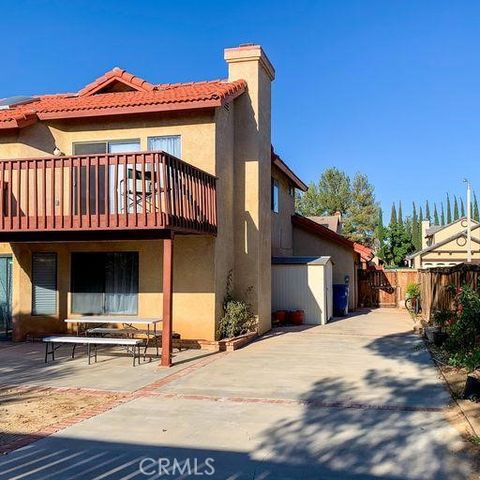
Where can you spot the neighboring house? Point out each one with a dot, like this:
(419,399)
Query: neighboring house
(447,245)
(93,214)
(314,239)
(333,222)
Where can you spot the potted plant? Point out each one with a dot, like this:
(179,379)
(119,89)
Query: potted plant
(441,320)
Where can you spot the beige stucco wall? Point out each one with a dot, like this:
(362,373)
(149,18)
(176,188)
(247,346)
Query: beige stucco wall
(252,172)
(453,229)
(343,258)
(193,300)
(230,142)
(282,231)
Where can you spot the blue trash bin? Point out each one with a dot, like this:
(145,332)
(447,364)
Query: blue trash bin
(340,300)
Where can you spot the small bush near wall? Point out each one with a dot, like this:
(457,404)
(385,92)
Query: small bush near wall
(238,318)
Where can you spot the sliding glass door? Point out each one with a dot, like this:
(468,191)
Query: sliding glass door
(105,283)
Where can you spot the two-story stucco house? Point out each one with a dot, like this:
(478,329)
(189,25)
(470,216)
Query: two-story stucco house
(99,216)
(446,245)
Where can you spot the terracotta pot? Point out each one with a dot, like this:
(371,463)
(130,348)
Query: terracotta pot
(297,317)
(280,316)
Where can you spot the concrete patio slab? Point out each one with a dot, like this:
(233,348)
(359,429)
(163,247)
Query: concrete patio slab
(329,364)
(23,364)
(358,399)
(247,440)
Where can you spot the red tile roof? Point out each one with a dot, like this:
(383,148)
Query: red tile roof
(366,253)
(142,97)
(119,75)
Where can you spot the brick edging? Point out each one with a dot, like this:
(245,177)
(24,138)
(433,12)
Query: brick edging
(122,397)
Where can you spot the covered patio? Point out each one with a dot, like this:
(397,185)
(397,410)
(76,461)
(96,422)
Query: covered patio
(94,199)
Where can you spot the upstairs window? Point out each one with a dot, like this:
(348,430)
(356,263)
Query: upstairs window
(105,146)
(168,143)
(275,196)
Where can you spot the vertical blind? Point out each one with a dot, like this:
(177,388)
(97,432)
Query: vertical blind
(167,143)
(44,279)
(105,283)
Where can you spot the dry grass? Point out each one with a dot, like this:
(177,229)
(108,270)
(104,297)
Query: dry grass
(27,411)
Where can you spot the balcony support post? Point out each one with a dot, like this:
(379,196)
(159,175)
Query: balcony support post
(166,360)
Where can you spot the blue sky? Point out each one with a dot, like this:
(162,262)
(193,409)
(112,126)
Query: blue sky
(390,88)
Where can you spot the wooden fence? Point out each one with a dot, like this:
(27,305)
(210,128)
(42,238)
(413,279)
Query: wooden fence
(435,282)
(384,288)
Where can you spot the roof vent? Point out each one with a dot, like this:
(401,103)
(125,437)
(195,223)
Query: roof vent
(9,102)
(247,44)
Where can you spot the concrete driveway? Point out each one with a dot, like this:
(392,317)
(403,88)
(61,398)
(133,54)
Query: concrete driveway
(356,399)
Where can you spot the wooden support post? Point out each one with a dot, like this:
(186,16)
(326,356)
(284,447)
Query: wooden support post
(167,302)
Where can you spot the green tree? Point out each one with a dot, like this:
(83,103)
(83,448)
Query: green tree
(427,211)
(308,203)
(449,210)
(462,208)
(475,212)
(331,195)
(456,214)
(380,236)
(400,213)
(416,228)
(442,215)
(398,244)
(436,220)
(420,216)
(393,215)
(362,216)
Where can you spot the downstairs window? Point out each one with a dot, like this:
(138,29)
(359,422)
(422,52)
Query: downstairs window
(105,283)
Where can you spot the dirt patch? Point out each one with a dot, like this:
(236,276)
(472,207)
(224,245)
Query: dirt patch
(28,411)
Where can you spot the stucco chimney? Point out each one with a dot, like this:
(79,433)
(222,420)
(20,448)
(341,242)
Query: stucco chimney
(251,56)
(252,173)
(425,227)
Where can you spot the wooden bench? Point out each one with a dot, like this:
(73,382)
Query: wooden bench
(52,343)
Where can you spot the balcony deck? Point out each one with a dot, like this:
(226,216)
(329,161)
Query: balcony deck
(110,196)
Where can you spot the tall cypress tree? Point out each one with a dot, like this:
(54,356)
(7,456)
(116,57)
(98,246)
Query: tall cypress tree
(400,214)
(442,215)
(380,234)
(456,213)
(475,212)
(462,208)
(427,211)
(393,215)
(449,210)
(415,228)
(436,221)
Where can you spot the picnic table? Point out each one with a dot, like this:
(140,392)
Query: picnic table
(130,327)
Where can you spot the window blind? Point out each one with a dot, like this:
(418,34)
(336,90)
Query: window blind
(44,279)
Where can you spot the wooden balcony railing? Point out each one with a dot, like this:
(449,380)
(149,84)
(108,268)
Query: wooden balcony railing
(148,190)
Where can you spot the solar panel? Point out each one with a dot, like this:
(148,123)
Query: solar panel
(15,100)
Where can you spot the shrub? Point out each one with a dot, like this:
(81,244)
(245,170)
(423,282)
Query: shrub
(444,318)
(464,326)
(238,317)
(413,290)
